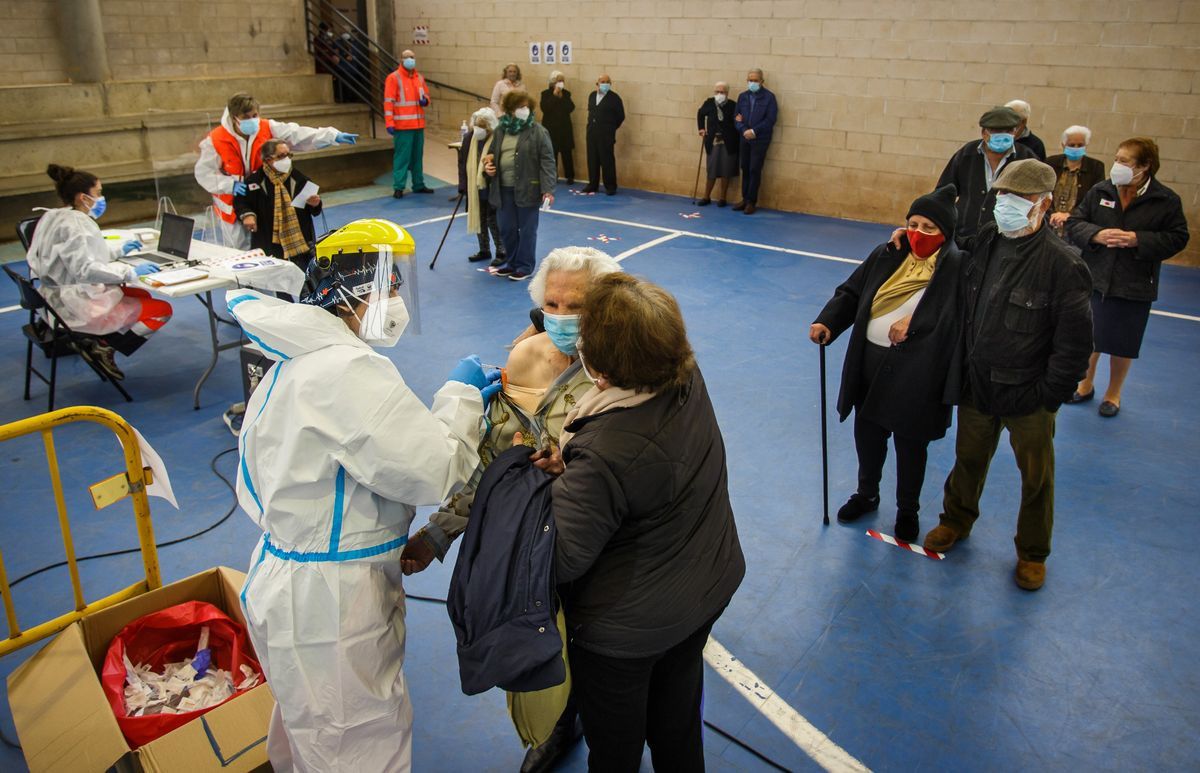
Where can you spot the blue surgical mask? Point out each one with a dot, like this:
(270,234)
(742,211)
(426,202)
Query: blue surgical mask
(98,207)
(248,126)
(754,86)
(1074,154)
(604,87)
(563,330)
(1012,212)
(410,63)
(1000,143)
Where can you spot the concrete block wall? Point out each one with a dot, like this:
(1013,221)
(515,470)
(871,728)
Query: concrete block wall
(874,97)
(160,38)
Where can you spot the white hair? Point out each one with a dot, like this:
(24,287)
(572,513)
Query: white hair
(555,75)
(589,259)
(1020,107)
(487,115)
(757,70)
(1077,129)
(721,83)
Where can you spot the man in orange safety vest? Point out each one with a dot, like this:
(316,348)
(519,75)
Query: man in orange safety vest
(405,97)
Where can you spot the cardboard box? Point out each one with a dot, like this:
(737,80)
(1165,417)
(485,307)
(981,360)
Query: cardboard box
(65,723)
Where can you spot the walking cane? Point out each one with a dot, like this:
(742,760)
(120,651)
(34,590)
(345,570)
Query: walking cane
(447,233)
(699,163)
(824,440)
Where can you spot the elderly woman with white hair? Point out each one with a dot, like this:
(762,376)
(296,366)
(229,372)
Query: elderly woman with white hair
(557,107)
(543,381)
(715,121)
(1077,173)
(1025,135)
(473,184)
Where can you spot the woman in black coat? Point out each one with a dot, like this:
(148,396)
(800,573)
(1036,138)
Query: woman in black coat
(715,120)
(256,207)
(556,117)
(898,376)
(1126,227)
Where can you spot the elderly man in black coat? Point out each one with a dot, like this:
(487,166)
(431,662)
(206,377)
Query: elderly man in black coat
(903,303)
(606,113)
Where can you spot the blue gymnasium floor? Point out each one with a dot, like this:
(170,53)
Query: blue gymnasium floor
(904,662)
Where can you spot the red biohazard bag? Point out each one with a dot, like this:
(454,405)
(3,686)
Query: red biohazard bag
(169,636)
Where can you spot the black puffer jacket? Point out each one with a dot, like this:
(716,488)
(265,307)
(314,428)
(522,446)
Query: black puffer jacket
(1130,272)
(913,393)
(975,199)
(647,547)
(1028,345)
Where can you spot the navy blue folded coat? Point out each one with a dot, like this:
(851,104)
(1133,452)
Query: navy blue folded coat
(501,600)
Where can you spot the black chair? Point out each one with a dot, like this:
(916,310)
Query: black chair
(48,332)
(25,230)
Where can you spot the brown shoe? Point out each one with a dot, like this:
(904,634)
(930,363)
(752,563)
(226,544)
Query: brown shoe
(941,538)
(750,208)
(739,206)
(1030,575)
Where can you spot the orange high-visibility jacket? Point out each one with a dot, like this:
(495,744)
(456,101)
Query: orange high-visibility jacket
(230,151)
(402,92)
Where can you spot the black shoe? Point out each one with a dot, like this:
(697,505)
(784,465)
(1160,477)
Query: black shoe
(739,206)
(570,181)
(503,271)
(722,203)
(613,192)
(397,194)
(1108,409)
(426,189)
(703,202)
(1077,398)
(498,261)
(589,189)
(543,758)
(856,507)
(104,356)
(907,526)
(518,276)
(481,255)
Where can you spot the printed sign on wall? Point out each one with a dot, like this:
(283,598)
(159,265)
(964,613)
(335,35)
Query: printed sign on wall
(549,51)
(535,53)
(420,36)
(565,52)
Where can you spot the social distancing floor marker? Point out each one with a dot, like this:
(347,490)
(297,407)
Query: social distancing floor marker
(889,539)
(692,216)
(603,238)
(820,747)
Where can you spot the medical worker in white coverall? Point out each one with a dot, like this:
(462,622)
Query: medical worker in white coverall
(335,453)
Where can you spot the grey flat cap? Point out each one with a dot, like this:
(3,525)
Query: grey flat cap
(1027,176)
(999,118)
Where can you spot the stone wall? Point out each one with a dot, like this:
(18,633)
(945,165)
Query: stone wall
(874,96)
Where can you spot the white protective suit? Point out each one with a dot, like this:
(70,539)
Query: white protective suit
(335,453)
(79,278)
(214,180)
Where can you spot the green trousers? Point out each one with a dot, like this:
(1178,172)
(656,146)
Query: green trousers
(408,154)
(1032,441)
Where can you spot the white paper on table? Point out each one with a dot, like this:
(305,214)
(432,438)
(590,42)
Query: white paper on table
(307,192)
(161,487)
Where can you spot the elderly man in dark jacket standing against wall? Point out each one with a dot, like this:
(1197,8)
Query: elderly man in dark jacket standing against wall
(606,113)
(1027,338)
(976,166)
(757,111)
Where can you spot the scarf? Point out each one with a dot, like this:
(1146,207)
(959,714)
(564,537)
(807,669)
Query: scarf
(286,228)
(475,182)
(912,276)
(596,401)
(510,124)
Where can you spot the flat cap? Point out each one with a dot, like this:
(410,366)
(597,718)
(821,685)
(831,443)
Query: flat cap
(1000,118)
(1026,177)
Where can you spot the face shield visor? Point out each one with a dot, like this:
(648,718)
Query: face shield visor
(371,262)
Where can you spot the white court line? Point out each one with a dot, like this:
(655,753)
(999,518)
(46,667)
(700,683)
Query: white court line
(798,730)
(648,245)
(9,308)
(673,233)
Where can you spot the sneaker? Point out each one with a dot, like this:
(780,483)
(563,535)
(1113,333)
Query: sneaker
(234,421)
(941,539)
(479,256)
(908,526)
(1030,575)
(104,356)
(426,189)
(518,276)
(397,194)
(856,507)
(503,271)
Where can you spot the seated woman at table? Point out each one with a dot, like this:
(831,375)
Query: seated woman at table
(81,281)
(265,209)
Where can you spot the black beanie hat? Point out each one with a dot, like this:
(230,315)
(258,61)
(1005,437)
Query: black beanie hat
(938,207)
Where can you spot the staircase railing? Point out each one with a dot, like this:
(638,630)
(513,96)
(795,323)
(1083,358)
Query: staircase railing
(358,63)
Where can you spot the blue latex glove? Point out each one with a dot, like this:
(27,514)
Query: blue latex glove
(239,188)
(146,268)
(344,138)
(391,130)
(133,245)
(201,662)
(489,391)
(469,370)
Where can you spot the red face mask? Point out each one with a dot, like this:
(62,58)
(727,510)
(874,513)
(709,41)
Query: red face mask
(923,244)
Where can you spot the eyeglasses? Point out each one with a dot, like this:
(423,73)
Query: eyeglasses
(280,158)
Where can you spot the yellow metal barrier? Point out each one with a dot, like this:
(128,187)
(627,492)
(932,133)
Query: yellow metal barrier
(131,483)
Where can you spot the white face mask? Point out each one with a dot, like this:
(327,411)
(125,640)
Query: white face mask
(521,113)
(720,98)
(1121,174)
(479,133)
(282,165)
(558,86)
(383,323)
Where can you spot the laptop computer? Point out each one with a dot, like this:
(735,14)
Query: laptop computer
(174,242)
